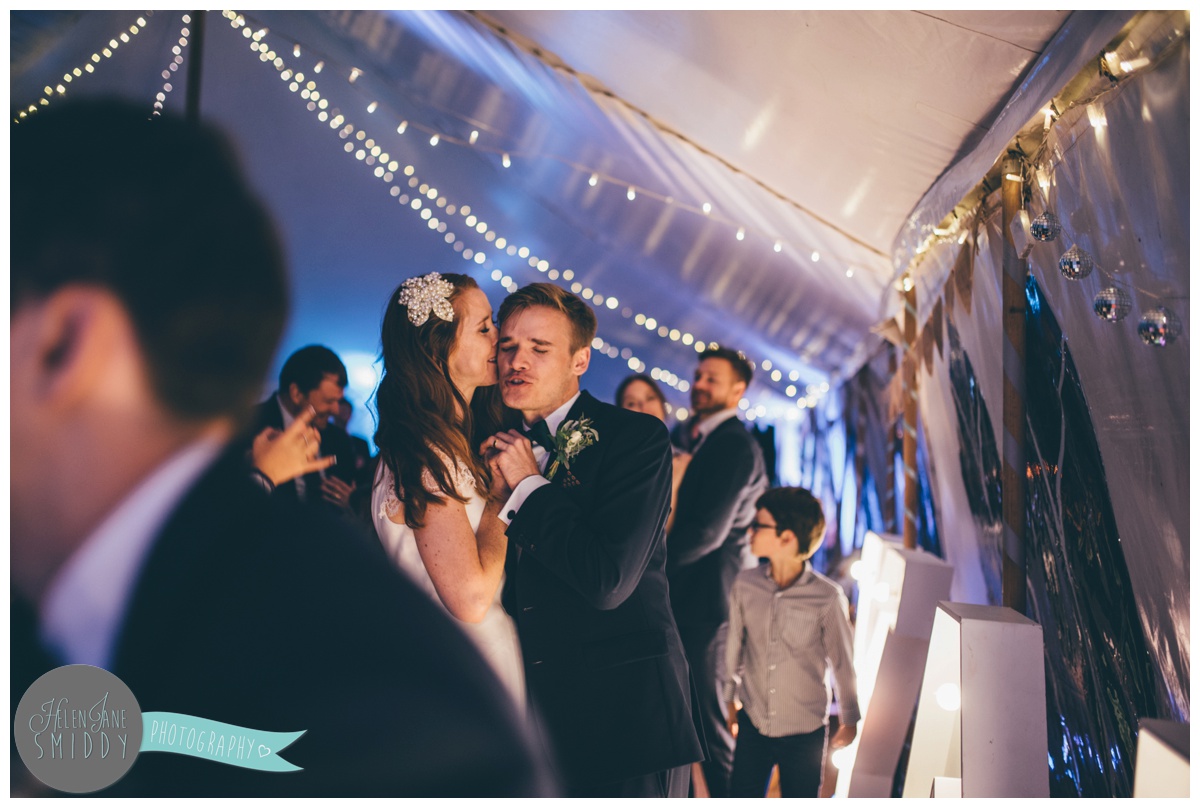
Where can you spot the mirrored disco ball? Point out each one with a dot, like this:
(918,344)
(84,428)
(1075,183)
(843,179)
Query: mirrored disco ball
(1159,326)
(1045,227)
(1112,304)
(1075,263)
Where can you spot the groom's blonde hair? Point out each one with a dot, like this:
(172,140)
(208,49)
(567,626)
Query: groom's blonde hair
(580,314)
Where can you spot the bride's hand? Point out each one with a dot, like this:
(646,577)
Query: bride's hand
(512,453)
(499,491)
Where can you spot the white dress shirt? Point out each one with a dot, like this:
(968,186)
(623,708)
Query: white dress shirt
(84,606)
(534,482)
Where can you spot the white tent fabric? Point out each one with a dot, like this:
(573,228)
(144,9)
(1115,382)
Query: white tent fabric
(848,118)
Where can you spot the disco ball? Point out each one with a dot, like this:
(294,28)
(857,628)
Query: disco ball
(1045,227)
(1159,327)
(1075,263)
(1112,304)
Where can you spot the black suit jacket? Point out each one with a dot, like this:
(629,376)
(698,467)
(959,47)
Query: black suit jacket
(334,441)
(588,589)
(275,617)
(715,506)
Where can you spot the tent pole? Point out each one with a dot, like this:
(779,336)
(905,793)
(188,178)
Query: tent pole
(889,496)
(1012,481)
(195,65)
(909,368)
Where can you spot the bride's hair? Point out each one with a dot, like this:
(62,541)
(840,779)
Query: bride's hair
(415,402)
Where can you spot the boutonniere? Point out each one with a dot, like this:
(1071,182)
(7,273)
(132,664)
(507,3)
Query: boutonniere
(571,438)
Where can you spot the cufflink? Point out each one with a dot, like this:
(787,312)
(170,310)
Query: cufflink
(512,515)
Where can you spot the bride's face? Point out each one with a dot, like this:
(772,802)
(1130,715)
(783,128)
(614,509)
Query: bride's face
(473,358)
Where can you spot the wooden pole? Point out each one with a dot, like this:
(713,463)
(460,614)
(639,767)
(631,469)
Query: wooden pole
(1012,481)
(889,494)
(909,364)
(195,64)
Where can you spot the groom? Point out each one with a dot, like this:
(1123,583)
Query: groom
(587,581)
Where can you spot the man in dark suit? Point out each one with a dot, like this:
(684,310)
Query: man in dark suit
(312,379)
(138,542)
(587,584)
(707,543)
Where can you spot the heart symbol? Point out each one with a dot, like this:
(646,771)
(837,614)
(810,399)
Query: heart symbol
(263,751)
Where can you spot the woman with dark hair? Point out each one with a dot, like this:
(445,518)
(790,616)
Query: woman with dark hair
(434,501)
(641,393)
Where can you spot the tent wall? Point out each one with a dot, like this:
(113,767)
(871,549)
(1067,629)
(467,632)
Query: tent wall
(1107,538)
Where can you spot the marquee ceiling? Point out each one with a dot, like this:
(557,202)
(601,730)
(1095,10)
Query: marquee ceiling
(772,158)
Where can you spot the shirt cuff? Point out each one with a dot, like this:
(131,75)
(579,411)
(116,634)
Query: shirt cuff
(521,493)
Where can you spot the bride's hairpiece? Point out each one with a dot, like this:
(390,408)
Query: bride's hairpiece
(425,294)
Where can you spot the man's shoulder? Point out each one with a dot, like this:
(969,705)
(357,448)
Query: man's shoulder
(731,437)
(627,421)
(266,413)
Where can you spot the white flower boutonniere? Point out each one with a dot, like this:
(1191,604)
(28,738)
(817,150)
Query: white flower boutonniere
(571,439)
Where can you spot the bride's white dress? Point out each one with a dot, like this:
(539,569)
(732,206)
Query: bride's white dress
(496,635)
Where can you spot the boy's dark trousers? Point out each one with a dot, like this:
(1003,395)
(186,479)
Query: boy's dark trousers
(800,758)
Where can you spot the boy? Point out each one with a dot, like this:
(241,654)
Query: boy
(788,624)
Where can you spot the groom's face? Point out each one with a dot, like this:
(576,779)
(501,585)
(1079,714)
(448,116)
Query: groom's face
(539,370)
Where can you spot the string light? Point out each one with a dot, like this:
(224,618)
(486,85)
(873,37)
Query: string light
(592,180)
(60,89)
(161,98)
(372,151)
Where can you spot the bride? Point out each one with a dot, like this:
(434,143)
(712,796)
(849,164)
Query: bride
(434,501)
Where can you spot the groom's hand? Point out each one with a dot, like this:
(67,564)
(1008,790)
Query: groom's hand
(512,453)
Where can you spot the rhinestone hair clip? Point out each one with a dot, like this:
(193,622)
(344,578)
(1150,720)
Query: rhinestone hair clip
(427,294)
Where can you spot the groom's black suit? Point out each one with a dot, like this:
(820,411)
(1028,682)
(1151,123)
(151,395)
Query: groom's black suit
(275,616)
(588,589)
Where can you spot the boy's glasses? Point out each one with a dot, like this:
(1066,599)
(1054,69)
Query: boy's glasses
(761,526)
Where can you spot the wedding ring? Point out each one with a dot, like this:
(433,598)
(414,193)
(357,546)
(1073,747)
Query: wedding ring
(494,446)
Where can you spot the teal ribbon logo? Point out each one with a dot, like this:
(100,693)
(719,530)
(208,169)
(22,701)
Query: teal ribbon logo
(215,740)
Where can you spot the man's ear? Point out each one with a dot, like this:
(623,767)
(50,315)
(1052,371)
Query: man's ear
(294,395)
(581,360)
(739,390)
(70,340)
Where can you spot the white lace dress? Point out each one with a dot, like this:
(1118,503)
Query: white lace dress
(496,635)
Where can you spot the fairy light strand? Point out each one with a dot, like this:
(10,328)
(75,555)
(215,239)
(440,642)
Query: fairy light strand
(422,199)
(177,52)
(106,51)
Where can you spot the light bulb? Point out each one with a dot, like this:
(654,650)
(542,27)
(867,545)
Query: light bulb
(504,161)
(631,194)
(778,246)
(592,180)
(741,233)
(949,697)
